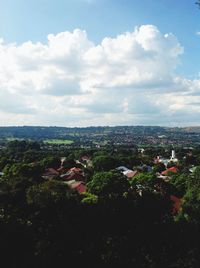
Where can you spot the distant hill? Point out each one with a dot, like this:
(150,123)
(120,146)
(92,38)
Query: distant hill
(105,136)
(40,132)
(191,129)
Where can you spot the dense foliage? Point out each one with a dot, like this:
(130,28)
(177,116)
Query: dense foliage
(118,221)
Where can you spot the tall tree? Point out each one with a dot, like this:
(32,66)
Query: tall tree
(108,184)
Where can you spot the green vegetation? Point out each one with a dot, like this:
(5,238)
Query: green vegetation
(117,221)
(58,142)
(121,136)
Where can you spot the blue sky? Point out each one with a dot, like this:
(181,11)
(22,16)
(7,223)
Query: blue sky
(22,21)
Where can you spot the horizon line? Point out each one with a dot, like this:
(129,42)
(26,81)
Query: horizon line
(100,126)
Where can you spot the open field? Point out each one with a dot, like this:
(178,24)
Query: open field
(57,141)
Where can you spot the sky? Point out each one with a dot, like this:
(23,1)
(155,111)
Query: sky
(99,62)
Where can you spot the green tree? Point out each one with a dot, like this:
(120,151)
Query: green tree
(21,176)
(180,181)
(47,193)
(51,162)
(105,163)
(3,162)
(89,198)
(144,179)
(159,167)
(191,206)
(108,184)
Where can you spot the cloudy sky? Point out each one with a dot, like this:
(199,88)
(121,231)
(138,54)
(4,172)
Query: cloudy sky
(99,62)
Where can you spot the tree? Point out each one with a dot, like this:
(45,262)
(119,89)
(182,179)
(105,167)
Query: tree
(3,162)
(51,162)
(47,193)
(144,179)
(191,199)
(180,181)
(105,163)
(191,206)
(89,199)
(19,176)
(159,167)
(108,184)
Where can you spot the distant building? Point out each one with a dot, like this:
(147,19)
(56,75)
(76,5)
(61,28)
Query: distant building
(165,161)
(62,160)
(130,173)
(74,173)
(173,157)
(159,159)
(122,168)
(142,150)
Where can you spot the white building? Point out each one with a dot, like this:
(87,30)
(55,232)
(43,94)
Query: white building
(173,157)
(165,161)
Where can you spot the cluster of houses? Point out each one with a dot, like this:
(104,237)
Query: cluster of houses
(129,173)
(164,175)
(73,177)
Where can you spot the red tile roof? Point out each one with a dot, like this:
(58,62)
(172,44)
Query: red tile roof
(131,174)
(79,186)
(172,169)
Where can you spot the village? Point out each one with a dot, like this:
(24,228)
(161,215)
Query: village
(75,176)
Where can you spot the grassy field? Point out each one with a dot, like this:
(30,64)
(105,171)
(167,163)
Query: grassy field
(56,141)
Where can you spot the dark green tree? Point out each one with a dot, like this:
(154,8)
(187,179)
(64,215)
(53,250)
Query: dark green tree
(105,163)
(108,184)
(51,162)
(159,167)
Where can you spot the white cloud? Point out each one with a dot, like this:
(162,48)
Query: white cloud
(69,80)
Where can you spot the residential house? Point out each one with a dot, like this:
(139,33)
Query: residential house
(130,173)
(167,171)
(77,185)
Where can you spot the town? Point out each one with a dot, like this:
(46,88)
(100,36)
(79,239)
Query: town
(81,196)
(94,137)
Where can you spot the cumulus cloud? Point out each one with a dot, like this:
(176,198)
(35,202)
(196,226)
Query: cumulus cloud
(69,80)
